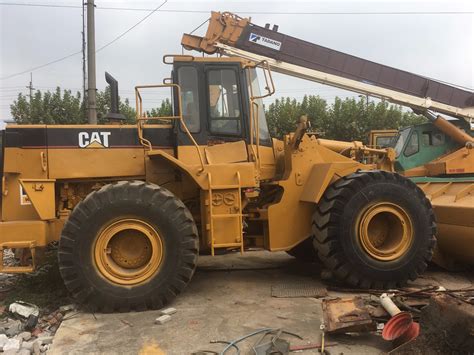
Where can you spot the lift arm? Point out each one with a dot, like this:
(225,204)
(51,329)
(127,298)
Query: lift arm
(232,35)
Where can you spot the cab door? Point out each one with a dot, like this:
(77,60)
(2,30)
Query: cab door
(211,96)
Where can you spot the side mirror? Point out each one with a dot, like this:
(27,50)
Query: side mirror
(114,113)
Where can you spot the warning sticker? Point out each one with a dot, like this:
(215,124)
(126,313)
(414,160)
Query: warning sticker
(265,41)
(24,199)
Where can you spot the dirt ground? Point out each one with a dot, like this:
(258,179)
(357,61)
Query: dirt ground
(229,297)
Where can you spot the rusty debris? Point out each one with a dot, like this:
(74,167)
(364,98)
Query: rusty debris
(426,292)
(311,346)
(347,315)
(428,319)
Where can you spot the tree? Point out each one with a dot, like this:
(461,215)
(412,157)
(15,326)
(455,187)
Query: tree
(49,108)
(164,110)
(347,119)
(64,108)
(282,115)
(103,107)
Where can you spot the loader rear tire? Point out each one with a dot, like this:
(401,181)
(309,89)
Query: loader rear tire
(128,246)
(374,229)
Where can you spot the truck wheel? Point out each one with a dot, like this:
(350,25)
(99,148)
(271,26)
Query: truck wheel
(374,229)
(129,245)
(304,251)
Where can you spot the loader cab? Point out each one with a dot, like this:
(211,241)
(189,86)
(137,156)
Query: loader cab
(216,107)
(215,100)
(420,144)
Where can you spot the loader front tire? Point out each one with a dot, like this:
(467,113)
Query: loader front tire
(128,246)
(374,229)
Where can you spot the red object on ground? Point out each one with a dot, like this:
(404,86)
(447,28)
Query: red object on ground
(36,332)
(401,328)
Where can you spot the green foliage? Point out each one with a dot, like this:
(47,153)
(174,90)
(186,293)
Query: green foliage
(164,110)
(65,108)
(283,114)
(347,119)
(103,107)
(49,108)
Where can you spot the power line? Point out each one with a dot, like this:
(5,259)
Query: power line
(131,28)
(75,53)
(256,12)
(39,5)
(311,13)
(41,66)
(198,27)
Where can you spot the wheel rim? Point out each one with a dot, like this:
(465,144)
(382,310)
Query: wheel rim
(128,252)
(385,231)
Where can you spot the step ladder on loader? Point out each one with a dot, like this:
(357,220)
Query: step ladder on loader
(224,212)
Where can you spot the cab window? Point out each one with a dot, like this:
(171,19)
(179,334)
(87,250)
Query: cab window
(224,102)
(412,144)
(434,139)
(400,140)
(188,81)
(383,141)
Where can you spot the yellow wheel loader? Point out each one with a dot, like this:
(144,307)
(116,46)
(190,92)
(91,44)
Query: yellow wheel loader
(133,205)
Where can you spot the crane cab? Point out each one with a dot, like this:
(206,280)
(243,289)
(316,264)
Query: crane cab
(422,144)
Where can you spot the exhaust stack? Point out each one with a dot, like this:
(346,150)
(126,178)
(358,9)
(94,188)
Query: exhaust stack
(114,113)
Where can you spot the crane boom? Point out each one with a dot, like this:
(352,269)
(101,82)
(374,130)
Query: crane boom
(232,35)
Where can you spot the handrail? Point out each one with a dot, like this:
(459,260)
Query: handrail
(254,119)
(189,57)
(267,74)
(257,130)
(141,118)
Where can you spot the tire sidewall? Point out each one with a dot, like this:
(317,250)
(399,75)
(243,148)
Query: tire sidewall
(367,266)
(86,245)
(131,200)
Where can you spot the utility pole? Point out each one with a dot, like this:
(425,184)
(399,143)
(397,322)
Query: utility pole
(91,82)
(84,97)
(31,91)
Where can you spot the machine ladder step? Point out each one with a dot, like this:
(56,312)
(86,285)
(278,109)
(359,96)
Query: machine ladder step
(236,215)
(230,215)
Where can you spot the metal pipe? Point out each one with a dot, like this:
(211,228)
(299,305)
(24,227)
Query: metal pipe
(449,129)
(388,304)
(114,113)
(338,146)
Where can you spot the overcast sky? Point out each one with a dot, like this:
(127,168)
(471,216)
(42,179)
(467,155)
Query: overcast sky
(435,45)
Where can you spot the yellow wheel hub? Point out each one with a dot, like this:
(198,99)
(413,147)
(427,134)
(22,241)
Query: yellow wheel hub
(128,252)
(385,231)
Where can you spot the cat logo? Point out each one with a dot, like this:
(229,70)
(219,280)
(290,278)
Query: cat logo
(94,139)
